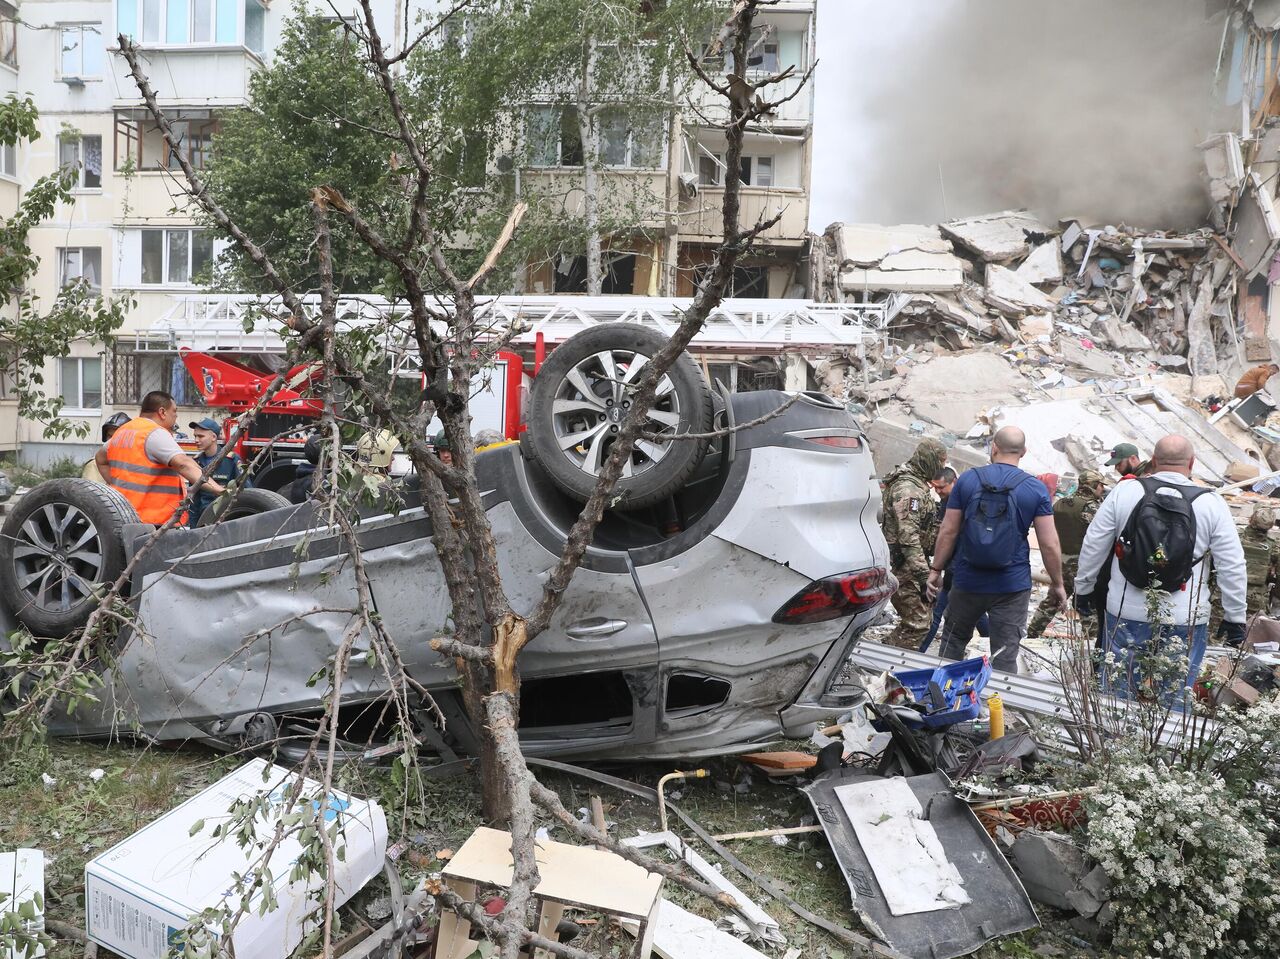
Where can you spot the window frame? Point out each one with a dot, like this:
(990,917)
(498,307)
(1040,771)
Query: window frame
(64,252)
(8,35)
(631,146)
(561,115)
(83,75)
(9,170)
(166,255)
(132,127)
(131,15)
(78,408)
(82,169)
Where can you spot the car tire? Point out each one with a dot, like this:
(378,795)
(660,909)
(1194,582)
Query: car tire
(577,393)
(60,545)
(246,502)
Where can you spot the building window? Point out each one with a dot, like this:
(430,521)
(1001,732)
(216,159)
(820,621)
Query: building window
(628,143)
(255,26)
(174,256)
(553,137)
(8,34)
(764,57)
(181,22)
(8,159)
(748,283)
(83,154)
(619,274)
(466,162)
(138,139)
(710,170)
(80,263)
(81,383)
(134,375)
(81,48)
(756,171)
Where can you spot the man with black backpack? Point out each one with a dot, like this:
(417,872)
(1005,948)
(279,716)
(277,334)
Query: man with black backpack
(1158,533)
(988,514)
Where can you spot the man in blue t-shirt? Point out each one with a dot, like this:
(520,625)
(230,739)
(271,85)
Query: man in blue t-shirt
(999,585)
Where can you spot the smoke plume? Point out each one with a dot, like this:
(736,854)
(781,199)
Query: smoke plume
(1091,108)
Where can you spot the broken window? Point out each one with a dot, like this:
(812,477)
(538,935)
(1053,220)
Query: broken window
(690,693)
(764,58)
(756,171)
(626,142)
(552,137)
(81,51)
(709,170)
(592,699)
(80,263)
(749,282)
(83,154)
(138,139)
(619,274)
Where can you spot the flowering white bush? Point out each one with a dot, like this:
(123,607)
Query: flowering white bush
(1192,875)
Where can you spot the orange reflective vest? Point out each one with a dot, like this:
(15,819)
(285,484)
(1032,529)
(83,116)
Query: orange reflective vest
(155,491)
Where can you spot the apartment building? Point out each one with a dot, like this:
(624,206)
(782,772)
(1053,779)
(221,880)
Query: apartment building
(128,229)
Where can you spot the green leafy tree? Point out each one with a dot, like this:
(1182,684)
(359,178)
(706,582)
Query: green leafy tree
(31,333)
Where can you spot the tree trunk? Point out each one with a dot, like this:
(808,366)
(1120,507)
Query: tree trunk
(589,133)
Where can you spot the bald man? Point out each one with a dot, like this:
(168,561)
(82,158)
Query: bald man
(1148,621)
(989,512)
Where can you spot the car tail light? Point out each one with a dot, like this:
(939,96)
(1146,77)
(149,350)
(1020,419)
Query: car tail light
(838,441)
(837,596)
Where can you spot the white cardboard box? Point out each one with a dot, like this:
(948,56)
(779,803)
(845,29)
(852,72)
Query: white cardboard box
(143,891)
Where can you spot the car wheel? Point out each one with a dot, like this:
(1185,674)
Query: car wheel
(580,396)
(246,502)
(59,547)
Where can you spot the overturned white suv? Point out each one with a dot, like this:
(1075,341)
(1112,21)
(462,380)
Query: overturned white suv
(712,613)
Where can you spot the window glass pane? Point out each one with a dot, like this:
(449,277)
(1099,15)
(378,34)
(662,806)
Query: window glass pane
(91,156)
(91,266)
(744,170)
(153,256)
(708,171)
(9,34)
(93,50)
(70,383)
(201,252)
(202,21)
(764,171)
(255,27)
(127,17)
(570,138)
(791,49)
(646,144)
(68,152)
(179,259)
(228,14)
(540,138)
(71,52)
(69,265)
(9,159)
(151,21)
(176,30)
(91,389)
(613,138)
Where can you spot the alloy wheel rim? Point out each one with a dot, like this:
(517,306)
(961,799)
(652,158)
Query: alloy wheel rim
(591,403)
(57,557)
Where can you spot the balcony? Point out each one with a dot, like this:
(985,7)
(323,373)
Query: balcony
(711,109)
(701,217)
(191,75)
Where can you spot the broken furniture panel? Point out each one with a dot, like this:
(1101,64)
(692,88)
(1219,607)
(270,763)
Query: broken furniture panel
(970,894)
(569,877)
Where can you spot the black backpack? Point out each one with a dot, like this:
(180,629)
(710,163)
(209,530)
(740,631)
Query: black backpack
(991,537)
(1158,543)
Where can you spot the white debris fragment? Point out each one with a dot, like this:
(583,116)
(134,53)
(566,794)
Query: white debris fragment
(49,781)
(97,774)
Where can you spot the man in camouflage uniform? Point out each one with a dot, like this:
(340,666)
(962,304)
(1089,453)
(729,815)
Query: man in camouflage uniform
(910,528)
(1071,517)
(1262,562)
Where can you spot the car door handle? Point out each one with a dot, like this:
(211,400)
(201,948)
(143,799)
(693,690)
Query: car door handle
(597,627)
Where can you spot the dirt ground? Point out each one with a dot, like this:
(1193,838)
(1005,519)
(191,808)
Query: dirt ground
(76,817)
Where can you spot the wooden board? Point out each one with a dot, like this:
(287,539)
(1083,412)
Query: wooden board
(790,761)
(569,874)
(909,863)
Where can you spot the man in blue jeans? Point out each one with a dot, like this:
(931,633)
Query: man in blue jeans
(998,582)
(1181,626)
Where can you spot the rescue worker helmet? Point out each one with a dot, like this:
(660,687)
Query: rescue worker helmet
(374,450)
(1263,518)
(116,421)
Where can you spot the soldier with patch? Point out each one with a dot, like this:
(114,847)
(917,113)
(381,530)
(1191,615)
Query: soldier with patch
(1261,559)
(910,528)
(1071,517)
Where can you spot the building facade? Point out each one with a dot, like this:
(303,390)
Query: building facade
(129,230)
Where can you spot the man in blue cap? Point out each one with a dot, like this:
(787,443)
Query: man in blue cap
(206,433)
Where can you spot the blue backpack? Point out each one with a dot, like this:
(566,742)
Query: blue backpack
(991,536)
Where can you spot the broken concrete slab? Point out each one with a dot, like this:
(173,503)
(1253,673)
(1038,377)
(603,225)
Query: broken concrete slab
(917,260)
(955,312)
(1044,265)
(1050,865)
(952,390)
(997,237)
(1257,227)
(1124,336)
(902,281)
(866,244)
(1090,359)
(1009,292)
